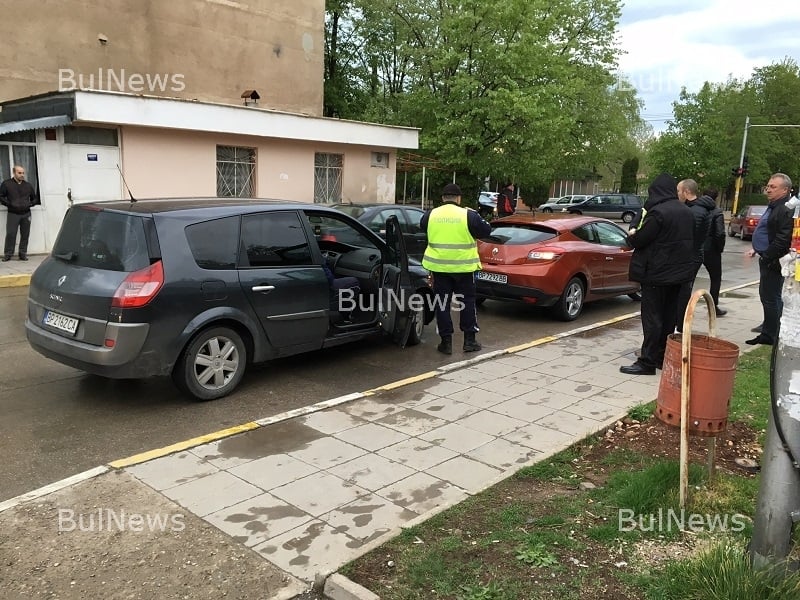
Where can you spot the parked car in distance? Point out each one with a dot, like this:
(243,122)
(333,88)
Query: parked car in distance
(200,288)
(554,261)
(745,221)
(487,204)
(561,204)
(609,206)
(374,216)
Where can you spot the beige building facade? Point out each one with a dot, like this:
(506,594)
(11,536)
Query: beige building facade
(209,50)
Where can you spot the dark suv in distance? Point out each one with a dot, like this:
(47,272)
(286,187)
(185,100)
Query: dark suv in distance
(199,288)
(609,206)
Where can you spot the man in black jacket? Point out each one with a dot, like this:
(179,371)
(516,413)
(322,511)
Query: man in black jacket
(18,196)
(662,262)
(701,212)
(712,251)
(771,240)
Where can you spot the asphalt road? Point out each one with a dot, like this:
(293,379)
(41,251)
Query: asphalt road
(57,421)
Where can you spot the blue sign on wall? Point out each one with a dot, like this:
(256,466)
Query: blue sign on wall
(91,157)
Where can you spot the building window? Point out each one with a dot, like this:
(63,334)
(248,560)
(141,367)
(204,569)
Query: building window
(236,168)
(91,136)
(328,177)
(23,155)
(380,160)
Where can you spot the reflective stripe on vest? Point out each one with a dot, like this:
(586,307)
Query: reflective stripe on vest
(451,247)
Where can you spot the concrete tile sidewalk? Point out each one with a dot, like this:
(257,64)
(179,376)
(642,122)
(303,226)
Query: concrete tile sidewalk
(313,492)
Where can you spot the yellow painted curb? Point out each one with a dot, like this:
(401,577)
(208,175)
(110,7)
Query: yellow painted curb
(7,281)
(203,439)
(527,345)
(403,382)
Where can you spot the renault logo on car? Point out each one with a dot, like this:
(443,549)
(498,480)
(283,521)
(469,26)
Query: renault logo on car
(494,253)
(61,280)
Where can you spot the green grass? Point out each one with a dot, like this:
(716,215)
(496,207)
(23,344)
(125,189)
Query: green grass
(751,398)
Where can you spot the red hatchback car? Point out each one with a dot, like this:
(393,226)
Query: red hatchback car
(744,223)
(557,262)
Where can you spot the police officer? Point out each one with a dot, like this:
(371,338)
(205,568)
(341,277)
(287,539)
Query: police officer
(452,258)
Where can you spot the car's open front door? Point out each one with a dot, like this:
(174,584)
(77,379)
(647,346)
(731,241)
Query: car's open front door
(396,291)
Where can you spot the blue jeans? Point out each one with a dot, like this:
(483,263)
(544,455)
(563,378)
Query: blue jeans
(770,286)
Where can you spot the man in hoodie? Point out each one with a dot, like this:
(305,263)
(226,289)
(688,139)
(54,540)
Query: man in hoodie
(662,262)
(701,212)
(18,196)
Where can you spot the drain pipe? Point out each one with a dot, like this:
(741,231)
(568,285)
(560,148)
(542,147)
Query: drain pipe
(778,506)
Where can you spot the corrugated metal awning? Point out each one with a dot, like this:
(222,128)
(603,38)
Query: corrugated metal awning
(40,123)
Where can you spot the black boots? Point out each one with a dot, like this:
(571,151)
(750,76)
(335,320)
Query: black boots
(470,343)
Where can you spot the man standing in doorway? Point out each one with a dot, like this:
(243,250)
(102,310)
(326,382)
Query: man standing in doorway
(452,258)
(771,240)
(18,196)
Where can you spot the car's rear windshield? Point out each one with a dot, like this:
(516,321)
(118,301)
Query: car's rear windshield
(102,239)
(354,211)
(520,234)
(757,210)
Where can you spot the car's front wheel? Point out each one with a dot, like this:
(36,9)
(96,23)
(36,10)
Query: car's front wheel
(212,365)
(575,212)
(627,217)
(570,303)
(547,210)
(417,327)
(731,232)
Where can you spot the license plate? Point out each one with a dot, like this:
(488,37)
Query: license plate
(62,322)
(496,277)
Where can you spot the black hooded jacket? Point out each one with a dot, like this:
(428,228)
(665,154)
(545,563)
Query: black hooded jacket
(664,243)
(702,208)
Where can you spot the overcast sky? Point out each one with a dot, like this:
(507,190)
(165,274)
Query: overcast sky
(670,44)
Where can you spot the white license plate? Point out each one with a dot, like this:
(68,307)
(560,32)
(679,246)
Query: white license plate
(496,277)
(62,322)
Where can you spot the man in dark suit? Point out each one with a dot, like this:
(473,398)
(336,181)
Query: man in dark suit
(17,195)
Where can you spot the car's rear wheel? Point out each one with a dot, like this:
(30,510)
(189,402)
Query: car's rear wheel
(212,365)
(635,296)
(547,210)
(570,303)
(575,212)
(731,232)
(627,217)
(479,300)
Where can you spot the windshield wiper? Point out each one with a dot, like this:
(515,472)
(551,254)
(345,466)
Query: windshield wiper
(67,256)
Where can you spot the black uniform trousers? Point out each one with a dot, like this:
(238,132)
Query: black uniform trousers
(712,261)
(770,288)
(659,312)
(446,286)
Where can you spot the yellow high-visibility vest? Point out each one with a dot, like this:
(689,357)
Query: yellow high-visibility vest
(451,247)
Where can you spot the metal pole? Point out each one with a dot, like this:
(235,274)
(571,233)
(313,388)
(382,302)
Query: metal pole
(778,505)
(405,183)
(424,195)
(686,356)
(741,164)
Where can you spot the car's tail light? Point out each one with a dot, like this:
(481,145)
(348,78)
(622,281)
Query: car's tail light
(545,254)
(139,287)
(752,222)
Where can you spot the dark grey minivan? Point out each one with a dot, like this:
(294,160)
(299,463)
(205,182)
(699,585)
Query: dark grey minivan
(199,288)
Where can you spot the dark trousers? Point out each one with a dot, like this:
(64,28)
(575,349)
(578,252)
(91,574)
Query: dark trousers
(462,285)
(14,222)
(712,261)
(659,310)
(770,287)
(684,296)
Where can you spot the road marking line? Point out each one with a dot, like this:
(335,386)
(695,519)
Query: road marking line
(171,449)
(52,487)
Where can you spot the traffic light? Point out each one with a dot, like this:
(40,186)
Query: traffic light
(745,166)
(737,172)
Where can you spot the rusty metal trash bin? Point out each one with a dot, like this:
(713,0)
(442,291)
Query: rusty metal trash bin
(712,373)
